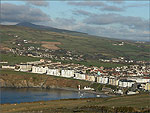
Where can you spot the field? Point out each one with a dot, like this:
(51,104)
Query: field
(4,48)
(50,45)
(121,104)
(84,44)
(14,59)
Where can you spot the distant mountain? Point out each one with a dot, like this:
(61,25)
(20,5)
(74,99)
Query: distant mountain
(41,27)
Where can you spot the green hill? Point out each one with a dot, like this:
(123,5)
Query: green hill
(41,27)
(80,43)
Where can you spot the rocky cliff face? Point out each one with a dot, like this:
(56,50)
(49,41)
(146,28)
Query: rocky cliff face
(41,81)
(17,83)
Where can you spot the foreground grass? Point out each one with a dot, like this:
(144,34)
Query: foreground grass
(133,103)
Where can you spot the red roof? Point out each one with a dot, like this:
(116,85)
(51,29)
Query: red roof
(146,77)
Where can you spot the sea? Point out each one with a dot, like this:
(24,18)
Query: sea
(19,95)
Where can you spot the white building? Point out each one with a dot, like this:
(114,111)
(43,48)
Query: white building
(34,62)
(140,80)
(119,92)
(132,93)
(113,81)
(40,70)
(8,67)
(25,67)
(55,72)
(126,83)
(102,80)
(67,73)
(79,76)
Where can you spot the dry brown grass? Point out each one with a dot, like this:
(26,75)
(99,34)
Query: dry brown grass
(50,45)
(87,105)
(2,47)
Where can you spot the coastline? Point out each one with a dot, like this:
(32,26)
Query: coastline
(47,91)
(28,80)
(85,105)
(68,89)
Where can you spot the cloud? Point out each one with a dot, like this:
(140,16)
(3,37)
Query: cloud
(63,23)
(112,8)
(20,13)
(102,5)
(116,1)
(120,32)
(139,5)
(38,3)
(87,3)
(82,12)
(107,25)
(106,19)
(114,32)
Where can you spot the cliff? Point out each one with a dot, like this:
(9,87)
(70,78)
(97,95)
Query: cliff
(10,78)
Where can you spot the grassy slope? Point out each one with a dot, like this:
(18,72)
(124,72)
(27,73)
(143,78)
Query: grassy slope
(84,44)
(112,104)
(15,59)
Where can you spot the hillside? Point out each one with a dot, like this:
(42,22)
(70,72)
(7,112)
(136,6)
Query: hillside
(41,27)
(91,46)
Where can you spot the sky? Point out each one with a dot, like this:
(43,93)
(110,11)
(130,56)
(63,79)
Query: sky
(122,19)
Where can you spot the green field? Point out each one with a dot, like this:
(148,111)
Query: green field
(15,59)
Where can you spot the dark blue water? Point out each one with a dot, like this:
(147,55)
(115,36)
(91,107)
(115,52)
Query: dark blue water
(14,95)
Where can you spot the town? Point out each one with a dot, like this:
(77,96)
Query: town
(134,77)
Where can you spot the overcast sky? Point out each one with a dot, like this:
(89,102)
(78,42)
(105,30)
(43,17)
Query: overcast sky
(123,19)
